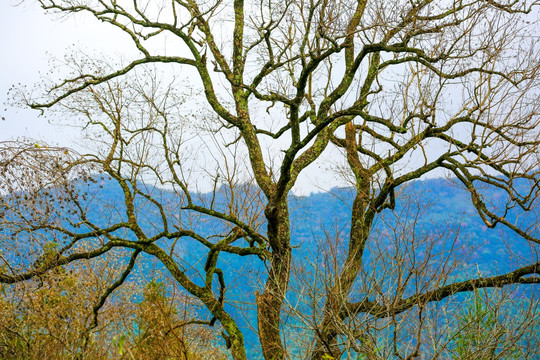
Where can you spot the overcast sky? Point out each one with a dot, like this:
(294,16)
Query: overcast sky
(29,39)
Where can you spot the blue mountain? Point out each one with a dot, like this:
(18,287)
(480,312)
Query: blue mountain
(436,213)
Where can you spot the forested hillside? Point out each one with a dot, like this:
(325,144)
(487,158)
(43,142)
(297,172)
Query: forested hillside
(432,216)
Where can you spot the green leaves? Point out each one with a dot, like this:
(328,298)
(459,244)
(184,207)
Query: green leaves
(119,343)
(480,334)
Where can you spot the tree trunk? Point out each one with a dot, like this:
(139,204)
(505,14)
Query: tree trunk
(269,303)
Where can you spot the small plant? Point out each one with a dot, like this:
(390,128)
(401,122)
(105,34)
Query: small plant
(480,334)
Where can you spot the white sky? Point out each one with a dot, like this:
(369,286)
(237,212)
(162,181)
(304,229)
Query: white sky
(29,39)
(24,38)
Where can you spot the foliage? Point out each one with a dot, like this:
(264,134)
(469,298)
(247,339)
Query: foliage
(162,329)
(46,318)
(49,318)
(481,335)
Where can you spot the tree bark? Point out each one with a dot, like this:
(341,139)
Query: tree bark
(269,303)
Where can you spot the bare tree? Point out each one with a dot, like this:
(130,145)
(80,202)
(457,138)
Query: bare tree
(401,88)
(407,256)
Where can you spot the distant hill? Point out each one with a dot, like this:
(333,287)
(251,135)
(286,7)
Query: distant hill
(438,208)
